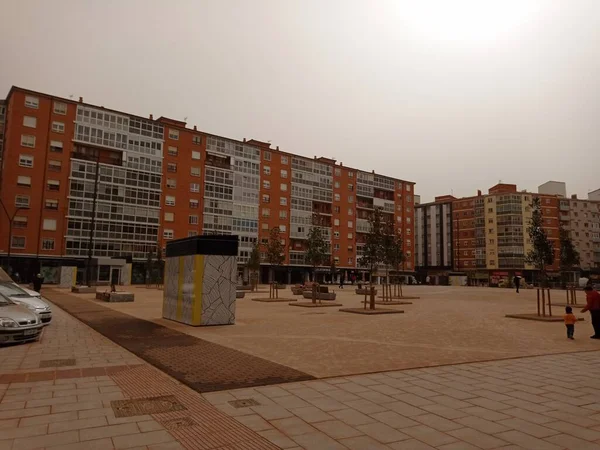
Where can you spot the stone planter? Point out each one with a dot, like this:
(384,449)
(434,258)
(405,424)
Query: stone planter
(364,291)
(329,296)
(297,290)
(115,297)
(83,289)
(239,294)
(243,287)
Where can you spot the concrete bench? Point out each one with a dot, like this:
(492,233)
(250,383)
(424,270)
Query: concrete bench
(115,297)
(363,291)
(320,295)
(83,289)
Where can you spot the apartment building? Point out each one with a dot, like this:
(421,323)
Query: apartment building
(433,239)
(157,179)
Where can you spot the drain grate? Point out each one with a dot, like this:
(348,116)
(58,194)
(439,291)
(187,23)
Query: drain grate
(180,422)
(143,406)
(244,403)
(57,362)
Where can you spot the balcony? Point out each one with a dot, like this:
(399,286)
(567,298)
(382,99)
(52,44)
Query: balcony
(364,205)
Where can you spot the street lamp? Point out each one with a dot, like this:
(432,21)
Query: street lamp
(10,226)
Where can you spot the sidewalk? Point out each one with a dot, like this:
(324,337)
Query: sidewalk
(60,394)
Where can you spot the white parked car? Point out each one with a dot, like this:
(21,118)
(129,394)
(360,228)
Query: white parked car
(27,298)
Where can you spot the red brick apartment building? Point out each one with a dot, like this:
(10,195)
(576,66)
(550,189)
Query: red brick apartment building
(159,180)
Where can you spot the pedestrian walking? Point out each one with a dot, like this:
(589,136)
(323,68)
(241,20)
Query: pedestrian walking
(517,281)
(593,306)
(341,281)
(37,282)
(570,321)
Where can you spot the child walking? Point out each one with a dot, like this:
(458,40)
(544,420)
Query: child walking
(570,321)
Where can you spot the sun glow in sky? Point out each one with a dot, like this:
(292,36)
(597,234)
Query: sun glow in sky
(467,22)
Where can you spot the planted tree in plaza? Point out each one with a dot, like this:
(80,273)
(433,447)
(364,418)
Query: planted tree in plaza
(392,256)
(569,256)
(333,270)
(316,251)
(253,265)
(541,254)
(372,251)
(275,257)
(149,267)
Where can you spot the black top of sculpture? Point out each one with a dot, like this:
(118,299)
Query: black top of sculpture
(211,244)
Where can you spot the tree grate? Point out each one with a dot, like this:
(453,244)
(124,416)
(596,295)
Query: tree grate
(144,406)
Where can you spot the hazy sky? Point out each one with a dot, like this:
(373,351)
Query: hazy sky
(454,95)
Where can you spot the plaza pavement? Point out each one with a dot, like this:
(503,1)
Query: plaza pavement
(543,402)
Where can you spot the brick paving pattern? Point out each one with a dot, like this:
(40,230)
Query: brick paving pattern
(546,402)
(200,364)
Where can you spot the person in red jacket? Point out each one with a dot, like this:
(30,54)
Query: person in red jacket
(593,306)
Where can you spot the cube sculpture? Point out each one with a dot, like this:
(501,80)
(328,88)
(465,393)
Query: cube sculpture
(200,280)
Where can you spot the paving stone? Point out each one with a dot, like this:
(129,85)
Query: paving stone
(79,424)
(437,422)
(477,438)
(327,404)
(254,422)
(98,444)
(27,412)
(572,442)
(485,426)
(574,430)
(429,435)
(143,439)
(292,426)
(527,441)
(538,431)
(410,444)
(108,431)
(278,438)
(317,441)
(337,429)
(47,440)
(446,412)
(363,443)
(405,409)
(394,420)
(352,417)
(365,406)
(291,401)
(382,432)
(311,414)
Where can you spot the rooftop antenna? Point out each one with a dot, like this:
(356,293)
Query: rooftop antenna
(185,119)
(71,96)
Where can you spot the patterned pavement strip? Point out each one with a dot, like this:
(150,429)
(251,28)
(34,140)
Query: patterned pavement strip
(545,402)
(69,408)
(204,366)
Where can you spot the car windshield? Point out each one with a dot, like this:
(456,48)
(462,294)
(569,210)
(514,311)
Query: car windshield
(10,290)
(5,301)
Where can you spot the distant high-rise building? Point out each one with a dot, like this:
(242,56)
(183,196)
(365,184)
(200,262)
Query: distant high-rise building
(553,188)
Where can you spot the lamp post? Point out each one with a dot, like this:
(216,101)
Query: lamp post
(10,226)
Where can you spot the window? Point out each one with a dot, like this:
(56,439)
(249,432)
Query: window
(173,151)
(350,236)
(336,234)
(266,212)
(408,188)
(32,102)
(283,173)
(195,171)
(51,204)
(351,248)
(171,167)
(490,210)
(408,198)
(336,209)
(56,146)
(408,231)
(491,200)
(58,127)
(29,122)
(336,222)
(47,244)
(24,181)
(284,159)
(168,234)
(194,187)
(22,201)
(338,172)
(60,108)
(171,183)
(195,155)
(350,174)
(173,134)
(267,156)
(282,228)
(283,187)
(169,217)
(18,242)
(408,220)
(54,166)
(283,214)
(266,184)
(350,261)
(265,226)
(193,203)
(25,160)
(53,185)
(336,197)
(350,224)
(266,198)
(49,225)
(192,233)
(193,219)
(336,184)
(350,212)
(28,140)
(351,199)
(350,187)
(283,201)
(169,200)
(336,247)
(196,140)
(20,222)
(266,170)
